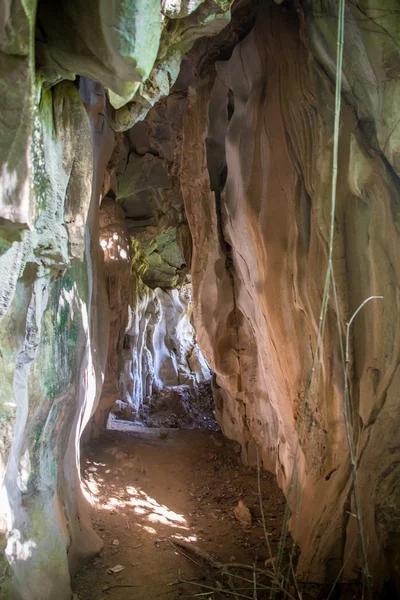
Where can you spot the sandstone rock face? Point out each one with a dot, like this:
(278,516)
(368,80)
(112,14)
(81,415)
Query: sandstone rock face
(17,28)
(55,144)
(259,259)
(160,348)
(228,178)
(47,332)
(152,343)
(115,242)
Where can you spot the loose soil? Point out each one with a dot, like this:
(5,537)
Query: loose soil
(150,487)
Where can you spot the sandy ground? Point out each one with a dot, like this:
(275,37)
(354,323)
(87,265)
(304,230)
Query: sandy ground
(150,487)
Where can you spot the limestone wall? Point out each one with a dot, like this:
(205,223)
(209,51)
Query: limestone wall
(240,153)
(57,136)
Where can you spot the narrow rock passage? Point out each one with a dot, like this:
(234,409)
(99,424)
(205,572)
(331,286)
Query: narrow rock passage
(151,486)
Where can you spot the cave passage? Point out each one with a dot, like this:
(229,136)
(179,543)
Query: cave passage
(199,313)
(151,488)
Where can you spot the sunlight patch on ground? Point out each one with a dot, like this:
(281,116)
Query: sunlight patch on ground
(150,513)
(156,513)
(184,538)
(149,529)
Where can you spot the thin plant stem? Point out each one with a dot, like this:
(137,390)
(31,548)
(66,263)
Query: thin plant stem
(262,507)
(350,441)
(340,572)
(254,585)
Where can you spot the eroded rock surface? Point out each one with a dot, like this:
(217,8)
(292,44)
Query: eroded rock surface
(57,137)
(227,181)
(259,259)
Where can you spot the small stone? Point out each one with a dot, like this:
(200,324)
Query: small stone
(218,443)
(116,569)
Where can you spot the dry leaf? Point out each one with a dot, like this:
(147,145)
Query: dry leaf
(270,561)
(242,514)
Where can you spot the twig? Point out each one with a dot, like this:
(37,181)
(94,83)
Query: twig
(247,568)
(175,545)
(261,506)
(214,589)
(263,587)
(295,580)
(340,572)
(199,595)
(224,568)
(177,582)
(120,585)
(255,576)
(232,587)
(260,585)
(216,564)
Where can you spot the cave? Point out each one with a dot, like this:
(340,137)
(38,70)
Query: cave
(199,299)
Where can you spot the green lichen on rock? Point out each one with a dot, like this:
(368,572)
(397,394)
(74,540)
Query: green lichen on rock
(142,173)
(115,43)
(140,263)
(17,91)
(168,248)
(52,377)
(45,535)
(158,262)
(62,326)
(60,156)
(178,36)
(137,38)
(5,571)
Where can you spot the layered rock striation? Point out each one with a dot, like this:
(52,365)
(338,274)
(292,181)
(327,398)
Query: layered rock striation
(222,176)
(57,137)
(260,132)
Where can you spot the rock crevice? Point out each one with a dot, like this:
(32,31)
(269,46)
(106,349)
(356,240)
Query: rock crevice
(196,176)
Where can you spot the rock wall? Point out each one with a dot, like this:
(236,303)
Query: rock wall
(160,348)
(230,175)
(57,136)
(116,246)
(262,126)
(152,343)
(53,329)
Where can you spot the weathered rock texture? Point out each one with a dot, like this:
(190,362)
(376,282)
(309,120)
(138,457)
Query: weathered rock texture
(229,177)
(57,137)
(115,242)
(53,330)
(259,258)
(160,349)
(152,344)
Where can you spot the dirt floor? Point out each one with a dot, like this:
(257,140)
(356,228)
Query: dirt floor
(151,488)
